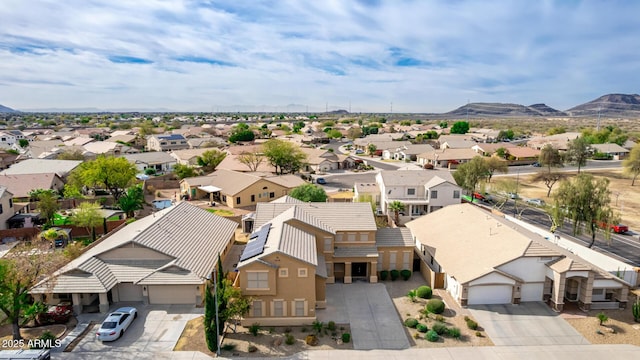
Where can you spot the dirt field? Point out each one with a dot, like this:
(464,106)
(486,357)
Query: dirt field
(59,331)
(625,199)
(619,329)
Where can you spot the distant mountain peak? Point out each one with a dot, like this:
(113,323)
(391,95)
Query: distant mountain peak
(4,109)
(619,105)
(504,110)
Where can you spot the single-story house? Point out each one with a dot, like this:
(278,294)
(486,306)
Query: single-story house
(160,161)
(20,185)
(42,166)
(615,151)
(446,158)
(491,260)
(164,258)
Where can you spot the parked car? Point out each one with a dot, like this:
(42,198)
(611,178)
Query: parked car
(359,152)
(321,181)
(536,202)
(536,164)
(616,228)
(513,196)
(116,324)
(479,196)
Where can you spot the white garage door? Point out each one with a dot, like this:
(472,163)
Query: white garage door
(129,292)
(531,292)
(172,294)
(490,294)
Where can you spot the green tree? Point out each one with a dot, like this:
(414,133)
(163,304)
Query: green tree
(251,160)
(184,171)
(585,201)
(210,159)
(443,124)
(47,203)
(132,200)
(88,216)
(578,152)
(354,133)
(20,270)
(631,164)
(505,134)
(284,156)
(371,149)
(334,134)
(495,164)
(71,155)
(469,174)
(241,132)
(309,193)
(112,173)
(460,127)
(550,158)
(23,143)
(210,323)
(397,207)
(502,152)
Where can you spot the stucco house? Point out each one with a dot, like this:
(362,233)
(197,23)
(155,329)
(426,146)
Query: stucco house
(237,189)
(322,160)
(20,185)
(167,142)
(447,158)
(6,207)
(420,191)
(164,258)
(161,162)
(491,260)
(615,151)
(297,248)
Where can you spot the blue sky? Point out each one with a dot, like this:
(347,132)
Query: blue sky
(422,56)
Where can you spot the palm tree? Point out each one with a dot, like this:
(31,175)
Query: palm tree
(131,201)
(396,206)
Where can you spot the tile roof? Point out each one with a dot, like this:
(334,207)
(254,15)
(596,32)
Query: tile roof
(394,237)
(20,185)
(356,251)
(151,157)
(336,216)
(42,166)
(233,182)
(414,177)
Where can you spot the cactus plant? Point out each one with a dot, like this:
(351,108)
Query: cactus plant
(635,309)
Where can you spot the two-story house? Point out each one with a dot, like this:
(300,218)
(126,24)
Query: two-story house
(6,207)
(297,248)
(420,191)
(166,142)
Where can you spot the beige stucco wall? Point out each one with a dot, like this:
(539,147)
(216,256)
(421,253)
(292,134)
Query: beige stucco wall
(385,256)
(258,189)
(7,211)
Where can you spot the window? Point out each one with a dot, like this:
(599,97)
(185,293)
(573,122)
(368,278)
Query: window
(405,259)
(10,203)
(224,198)
(253,198)
(364,237)
(272,195)
(411,191)
(1,209)
(598,291)
(456,194)
(238,200)
(379,265)
(434,194)
(351,237)
(299,307)
(338,237)
(278,308)
(328,245)
(258,280)
(302,272)
(284,272)
(392,260)
(256,306)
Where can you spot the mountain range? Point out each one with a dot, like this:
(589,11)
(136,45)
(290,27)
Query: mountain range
(610,105)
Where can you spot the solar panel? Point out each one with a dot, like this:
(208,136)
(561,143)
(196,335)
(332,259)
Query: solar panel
(256,243)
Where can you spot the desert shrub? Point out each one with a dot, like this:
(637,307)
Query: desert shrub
(311,340)
(406,274)
(384,274)
(287,330)
(416,335)
(431,336)
(440,318)
(304,329)
(478,334)
(440,328)
(395,274)
(346,337)
(48,338)
(466,318)
(317,326)
(289,339)
(411,322)
(435,306)
(228,347)
(252,348)
(272,330)
(602,317)
(412,295)
(424,292)
(471,324)
(454,332)
(331,325)
(254,329)
(422,328)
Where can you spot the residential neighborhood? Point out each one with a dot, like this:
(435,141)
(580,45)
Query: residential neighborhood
(314,237)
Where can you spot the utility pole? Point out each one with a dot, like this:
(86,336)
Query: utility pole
(391,108)
(598,123)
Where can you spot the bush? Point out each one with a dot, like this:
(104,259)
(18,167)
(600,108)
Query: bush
(411,322)
(384,274)
(228,347)
(478,334)
(48,340)
(471,324)
(331,325)
(454,332)
(602,317)
(289,339)
(440,328)
(311,340)
(346,337)
(435,306)
(422,328)
(431,336)
(317,326)
(252,348)
(424,292)
(406,274)
(254,328)
(440,318)
(395,274)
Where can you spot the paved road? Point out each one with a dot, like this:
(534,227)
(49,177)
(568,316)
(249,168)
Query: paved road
(591,165)
(525,324)
(370,312)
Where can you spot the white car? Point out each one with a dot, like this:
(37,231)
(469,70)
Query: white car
(116,324)
(536,202)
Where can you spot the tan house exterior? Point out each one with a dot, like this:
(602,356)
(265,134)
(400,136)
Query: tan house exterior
(166,142)
(238,189)
(6,207)
(297,248)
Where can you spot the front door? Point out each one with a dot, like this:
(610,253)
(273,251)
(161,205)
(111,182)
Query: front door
(359,269)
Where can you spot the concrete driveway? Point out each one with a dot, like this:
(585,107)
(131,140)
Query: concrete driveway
(368,309)
(531,323)
(157,328)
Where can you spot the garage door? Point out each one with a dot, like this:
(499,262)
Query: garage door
(129,292)
(172,294)
(531,292)
(490,294)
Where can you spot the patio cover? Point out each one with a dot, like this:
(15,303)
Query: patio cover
(209,188)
